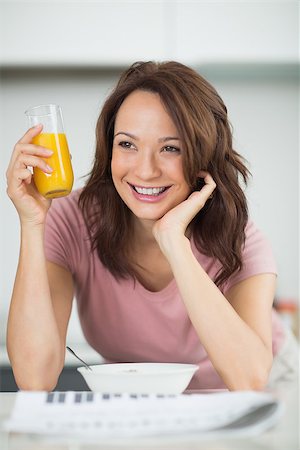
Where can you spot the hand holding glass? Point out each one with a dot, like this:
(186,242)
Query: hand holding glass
(58,183)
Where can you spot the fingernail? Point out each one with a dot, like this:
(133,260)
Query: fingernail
(48,151)
(38,125)
(49,168)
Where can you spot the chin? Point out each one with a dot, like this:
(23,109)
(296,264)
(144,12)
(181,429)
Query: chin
(148,213)
(145,216)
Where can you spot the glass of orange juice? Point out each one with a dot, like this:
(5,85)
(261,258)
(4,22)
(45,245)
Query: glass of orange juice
(58,183)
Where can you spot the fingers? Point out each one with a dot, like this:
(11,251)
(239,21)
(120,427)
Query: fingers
(23,147)
(30,134)
(21,189)
(21,171)
(208,189)
(22,175)
(198,199)
(28,149)
(24,161)
(26,139)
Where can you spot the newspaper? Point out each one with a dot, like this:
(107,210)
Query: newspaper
(93,416)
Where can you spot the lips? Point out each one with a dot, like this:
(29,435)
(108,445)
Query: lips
(149,191)
(149,194)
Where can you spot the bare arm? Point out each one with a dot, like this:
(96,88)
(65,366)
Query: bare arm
(235,333)
(235,330)
(43,292)
(38,317)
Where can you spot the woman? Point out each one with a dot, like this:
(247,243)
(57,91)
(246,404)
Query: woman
(157,247)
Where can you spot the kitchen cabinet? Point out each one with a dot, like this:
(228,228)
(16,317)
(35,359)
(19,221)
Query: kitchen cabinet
(116,33)
(72,33)
(237,32)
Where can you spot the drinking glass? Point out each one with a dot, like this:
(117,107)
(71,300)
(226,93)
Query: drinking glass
(58,183)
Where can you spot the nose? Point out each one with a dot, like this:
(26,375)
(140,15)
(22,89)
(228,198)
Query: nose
(147,166)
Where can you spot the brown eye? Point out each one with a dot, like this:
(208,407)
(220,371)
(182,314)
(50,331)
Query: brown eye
(125,144)
(171,149)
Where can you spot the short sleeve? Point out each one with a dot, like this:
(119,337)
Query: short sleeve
(257,257)
(63,233)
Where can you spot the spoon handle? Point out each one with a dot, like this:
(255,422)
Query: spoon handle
(74,354)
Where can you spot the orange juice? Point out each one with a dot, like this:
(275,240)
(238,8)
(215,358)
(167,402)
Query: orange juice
(58,183)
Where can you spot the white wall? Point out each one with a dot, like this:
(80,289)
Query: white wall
(256,77)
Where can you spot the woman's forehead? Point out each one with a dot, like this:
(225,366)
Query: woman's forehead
(144,111)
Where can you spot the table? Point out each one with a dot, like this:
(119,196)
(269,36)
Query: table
(284,436)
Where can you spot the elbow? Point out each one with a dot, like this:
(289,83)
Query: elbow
(258,382)
(36,380)
(260,375)
(255,381)
(32,374)
(35,383)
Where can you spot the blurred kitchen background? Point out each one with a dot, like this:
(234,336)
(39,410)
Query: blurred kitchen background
(72,52)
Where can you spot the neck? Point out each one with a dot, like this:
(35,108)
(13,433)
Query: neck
(143,232)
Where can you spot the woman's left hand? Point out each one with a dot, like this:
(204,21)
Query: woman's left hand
(175,222)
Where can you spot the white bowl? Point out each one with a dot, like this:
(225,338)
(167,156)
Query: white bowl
(139,378)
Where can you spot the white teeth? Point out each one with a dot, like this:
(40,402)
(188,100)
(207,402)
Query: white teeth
(149,191)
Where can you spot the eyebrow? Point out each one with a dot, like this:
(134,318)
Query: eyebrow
(162,139)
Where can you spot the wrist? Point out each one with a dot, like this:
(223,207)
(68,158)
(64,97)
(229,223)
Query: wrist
(172,246)
(32,240)
(28,227)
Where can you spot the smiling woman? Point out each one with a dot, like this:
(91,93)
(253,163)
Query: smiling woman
(156,104)
(157,247)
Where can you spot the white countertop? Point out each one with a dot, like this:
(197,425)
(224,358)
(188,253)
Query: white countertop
(284,436)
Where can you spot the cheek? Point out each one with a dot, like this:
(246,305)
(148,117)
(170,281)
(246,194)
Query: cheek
(117,167)
(175,171)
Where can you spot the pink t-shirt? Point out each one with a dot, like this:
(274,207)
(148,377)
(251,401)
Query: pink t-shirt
(125,322)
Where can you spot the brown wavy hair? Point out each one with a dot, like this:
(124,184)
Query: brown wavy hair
(200,117)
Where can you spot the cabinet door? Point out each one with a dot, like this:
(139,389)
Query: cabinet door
(237,32)
(87,33)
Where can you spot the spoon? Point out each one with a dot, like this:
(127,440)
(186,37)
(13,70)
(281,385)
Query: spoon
(73,353)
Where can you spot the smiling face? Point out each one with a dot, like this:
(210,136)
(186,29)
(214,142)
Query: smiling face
(146,157)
